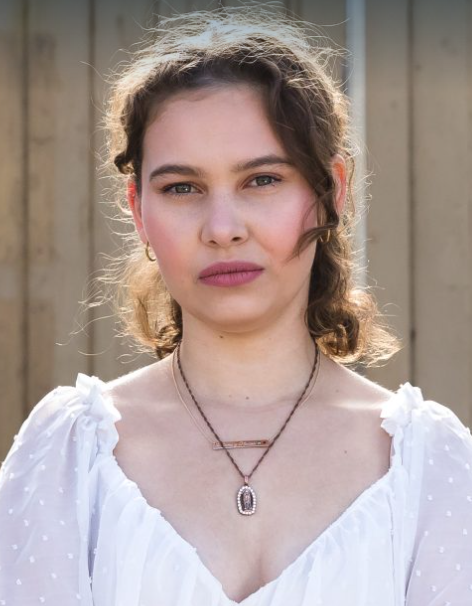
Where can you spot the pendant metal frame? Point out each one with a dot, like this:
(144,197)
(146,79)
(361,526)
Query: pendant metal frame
(243,508)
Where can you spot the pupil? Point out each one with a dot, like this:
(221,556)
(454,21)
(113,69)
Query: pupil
(177,186)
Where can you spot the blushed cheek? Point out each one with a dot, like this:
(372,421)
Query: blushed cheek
(288,228)
(308,214)
(168,245)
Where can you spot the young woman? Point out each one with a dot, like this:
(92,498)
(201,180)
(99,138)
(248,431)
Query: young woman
(248,465)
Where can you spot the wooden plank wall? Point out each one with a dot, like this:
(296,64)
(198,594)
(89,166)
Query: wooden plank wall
(58,187)
(419,134)
(54,232)
(388,100)
(13,215)
(441,166)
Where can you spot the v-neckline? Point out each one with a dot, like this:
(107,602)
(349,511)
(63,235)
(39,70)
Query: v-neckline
(369,491)
(366,493)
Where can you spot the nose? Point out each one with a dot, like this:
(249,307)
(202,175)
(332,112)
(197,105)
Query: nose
(224,223)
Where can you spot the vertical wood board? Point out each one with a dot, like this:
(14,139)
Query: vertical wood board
(12,222)
(118,26)
(388,162)
(58,190)
(441,165)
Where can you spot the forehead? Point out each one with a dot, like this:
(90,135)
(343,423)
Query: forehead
(230,119)
(212,94)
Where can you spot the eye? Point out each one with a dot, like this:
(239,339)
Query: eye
(184,189)
(262,180)
(180,189)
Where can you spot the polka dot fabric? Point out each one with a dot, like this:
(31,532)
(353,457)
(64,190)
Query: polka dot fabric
(74,530)
(440,566)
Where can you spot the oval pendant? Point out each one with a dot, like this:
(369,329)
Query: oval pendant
(246,500)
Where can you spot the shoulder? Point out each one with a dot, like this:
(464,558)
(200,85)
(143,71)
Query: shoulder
(435,448)
(87,396)
(437,506)
(447,441)
(87,399)
(428,423)
(65,414)
(140,390)
(428,430)
(345,389)
(436,422)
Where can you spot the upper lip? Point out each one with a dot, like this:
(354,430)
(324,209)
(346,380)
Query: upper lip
(228,267)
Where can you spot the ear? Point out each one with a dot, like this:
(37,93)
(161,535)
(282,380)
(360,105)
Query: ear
(134,202)
(338,167)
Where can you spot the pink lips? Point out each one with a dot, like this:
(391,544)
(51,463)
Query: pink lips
(232,273)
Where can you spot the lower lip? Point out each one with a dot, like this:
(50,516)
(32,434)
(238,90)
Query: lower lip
(232,279)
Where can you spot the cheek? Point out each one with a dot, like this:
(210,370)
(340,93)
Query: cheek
(168,245)
(284,229)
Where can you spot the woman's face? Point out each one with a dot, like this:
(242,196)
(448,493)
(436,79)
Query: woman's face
(218,187)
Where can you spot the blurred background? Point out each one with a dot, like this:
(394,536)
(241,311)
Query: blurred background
(408,72)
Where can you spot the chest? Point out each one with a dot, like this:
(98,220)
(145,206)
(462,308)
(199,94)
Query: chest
(315,470)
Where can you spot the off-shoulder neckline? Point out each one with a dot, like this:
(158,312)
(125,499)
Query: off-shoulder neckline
(395,412)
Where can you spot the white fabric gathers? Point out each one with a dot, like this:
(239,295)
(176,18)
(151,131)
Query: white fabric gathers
(75,531)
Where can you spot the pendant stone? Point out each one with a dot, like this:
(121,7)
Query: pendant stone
(246,500)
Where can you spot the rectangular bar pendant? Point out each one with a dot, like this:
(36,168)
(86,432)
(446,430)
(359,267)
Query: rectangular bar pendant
(242,444)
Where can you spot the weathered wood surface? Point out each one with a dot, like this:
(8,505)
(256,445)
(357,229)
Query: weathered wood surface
(58,194)
(13,223)
(388,139)
(441,153)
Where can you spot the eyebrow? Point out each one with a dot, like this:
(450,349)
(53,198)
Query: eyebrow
(192,171)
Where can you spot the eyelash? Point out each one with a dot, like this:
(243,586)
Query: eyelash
(167,188)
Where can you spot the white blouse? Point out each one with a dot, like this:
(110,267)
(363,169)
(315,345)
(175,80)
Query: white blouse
(75,531)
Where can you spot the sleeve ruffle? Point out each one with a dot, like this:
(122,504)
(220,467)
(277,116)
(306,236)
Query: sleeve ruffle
(398,411)
(99,409)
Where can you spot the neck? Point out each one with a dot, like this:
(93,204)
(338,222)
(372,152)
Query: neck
(257,371)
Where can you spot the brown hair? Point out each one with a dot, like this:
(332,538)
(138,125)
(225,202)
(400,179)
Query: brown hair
(307,110)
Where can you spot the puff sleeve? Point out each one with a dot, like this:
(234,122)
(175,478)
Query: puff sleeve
(45,501)
(440,569)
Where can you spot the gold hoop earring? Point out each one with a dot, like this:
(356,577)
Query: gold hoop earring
(146,250)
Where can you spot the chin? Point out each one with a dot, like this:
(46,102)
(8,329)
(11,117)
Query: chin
(233,319)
